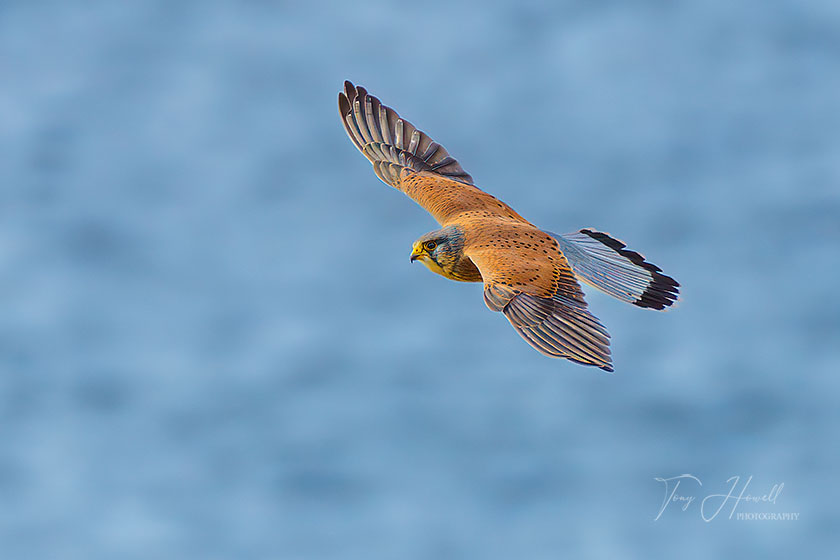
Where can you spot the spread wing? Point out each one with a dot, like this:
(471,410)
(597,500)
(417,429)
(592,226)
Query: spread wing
(531,283)
(411,161)
(385,138)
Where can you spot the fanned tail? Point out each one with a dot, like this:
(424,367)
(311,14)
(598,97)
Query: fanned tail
(605,263)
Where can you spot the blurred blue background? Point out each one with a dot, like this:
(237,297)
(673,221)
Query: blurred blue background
(213,345)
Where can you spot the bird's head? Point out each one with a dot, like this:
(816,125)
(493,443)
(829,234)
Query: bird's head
(439,250)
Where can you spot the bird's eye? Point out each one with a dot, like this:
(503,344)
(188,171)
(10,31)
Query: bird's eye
(430,245)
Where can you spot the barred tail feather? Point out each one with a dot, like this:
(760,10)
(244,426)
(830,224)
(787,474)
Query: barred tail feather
(605,263)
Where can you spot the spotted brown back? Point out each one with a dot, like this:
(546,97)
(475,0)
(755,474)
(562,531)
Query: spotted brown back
(526,276)
(529,280)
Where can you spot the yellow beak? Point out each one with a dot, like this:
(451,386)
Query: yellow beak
(416,252)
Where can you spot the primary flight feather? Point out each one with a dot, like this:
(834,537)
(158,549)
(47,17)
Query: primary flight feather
(530,275)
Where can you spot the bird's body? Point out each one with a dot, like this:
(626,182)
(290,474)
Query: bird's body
(529,274)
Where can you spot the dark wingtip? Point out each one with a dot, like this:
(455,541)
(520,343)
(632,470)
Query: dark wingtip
(367,120)
(349,90)
(343,104)
(606,367)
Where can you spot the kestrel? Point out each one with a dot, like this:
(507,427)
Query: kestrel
(529,274)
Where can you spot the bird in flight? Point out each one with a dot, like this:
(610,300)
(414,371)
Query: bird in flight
(529,274)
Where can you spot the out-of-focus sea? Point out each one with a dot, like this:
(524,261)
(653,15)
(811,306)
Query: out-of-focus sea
(212,343)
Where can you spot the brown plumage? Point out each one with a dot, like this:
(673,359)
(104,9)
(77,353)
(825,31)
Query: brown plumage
(525,270)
